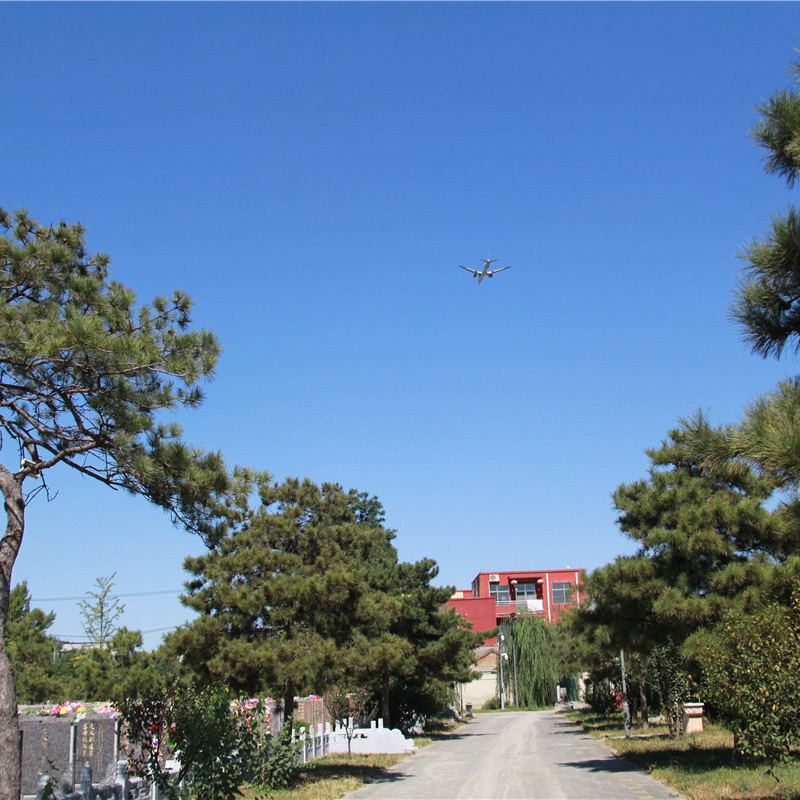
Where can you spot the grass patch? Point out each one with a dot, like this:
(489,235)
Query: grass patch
(700,766)
(331,777)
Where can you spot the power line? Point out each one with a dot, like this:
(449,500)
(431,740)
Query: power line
(83,596)
(72,637)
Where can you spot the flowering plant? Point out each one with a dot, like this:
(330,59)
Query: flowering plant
(72,707)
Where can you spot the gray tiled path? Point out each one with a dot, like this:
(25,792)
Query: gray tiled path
(538,755)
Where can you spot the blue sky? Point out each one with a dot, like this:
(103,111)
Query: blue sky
(313,175)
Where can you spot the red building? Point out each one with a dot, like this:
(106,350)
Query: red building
(495,596)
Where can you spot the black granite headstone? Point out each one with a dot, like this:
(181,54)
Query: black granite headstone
(45,750)
(96,747)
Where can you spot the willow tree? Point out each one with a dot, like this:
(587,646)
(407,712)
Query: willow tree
(535,668)
(85,376)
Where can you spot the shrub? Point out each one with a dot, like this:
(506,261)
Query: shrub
(213,742)
(602,696)
(276,761)
(750,664)
(217,742)
(411,707)
(669,668)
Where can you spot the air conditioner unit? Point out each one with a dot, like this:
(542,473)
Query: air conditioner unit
(494,577)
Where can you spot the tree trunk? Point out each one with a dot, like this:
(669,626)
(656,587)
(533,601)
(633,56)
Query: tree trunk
(288,701)
(643,699)
(385,700)
(10,749)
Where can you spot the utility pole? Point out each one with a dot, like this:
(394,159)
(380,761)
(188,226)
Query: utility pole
(500,639)
(626,710)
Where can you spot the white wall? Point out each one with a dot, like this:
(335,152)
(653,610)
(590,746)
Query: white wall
(479,691)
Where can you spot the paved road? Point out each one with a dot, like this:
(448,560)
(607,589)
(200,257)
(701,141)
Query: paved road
(537,755)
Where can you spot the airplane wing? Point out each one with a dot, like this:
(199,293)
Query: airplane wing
(473,271)
(499,269)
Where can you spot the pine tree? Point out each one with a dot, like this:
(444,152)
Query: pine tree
(705,538)
(86,377)
(767,301)
(767,304)
(284,597)
(441,644)
(30,648)
(420,646)
(305,589)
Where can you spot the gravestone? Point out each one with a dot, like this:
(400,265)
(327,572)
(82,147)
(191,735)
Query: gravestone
(45,750)
(96,746)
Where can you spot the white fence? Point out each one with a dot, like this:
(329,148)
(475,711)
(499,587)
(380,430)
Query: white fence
(321,740)
(313,743)
(375,739)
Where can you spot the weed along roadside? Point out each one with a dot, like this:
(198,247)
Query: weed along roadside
(699,766)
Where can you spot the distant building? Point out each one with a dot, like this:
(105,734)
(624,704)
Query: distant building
(68,647)
(496,598)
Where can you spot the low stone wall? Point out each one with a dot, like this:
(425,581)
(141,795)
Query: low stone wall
(375,739)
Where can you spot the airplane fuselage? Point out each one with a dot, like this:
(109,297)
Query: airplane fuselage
(486,272)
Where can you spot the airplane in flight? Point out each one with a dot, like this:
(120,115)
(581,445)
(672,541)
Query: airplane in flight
(485,272)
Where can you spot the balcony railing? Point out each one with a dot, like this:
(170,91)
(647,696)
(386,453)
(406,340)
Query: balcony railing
(522,606)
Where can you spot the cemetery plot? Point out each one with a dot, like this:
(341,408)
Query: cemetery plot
(62,746)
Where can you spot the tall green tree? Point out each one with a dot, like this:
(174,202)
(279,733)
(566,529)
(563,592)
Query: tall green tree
(439,643)
(767,301)
(707,544)
(535,666)
(85,376)
(750,651)
(284,598)
(704,536)
(412,653)
(418,647)
(307,589)
(100,611)
(30,648)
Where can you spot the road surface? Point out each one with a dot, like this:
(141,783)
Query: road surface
(533,755)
